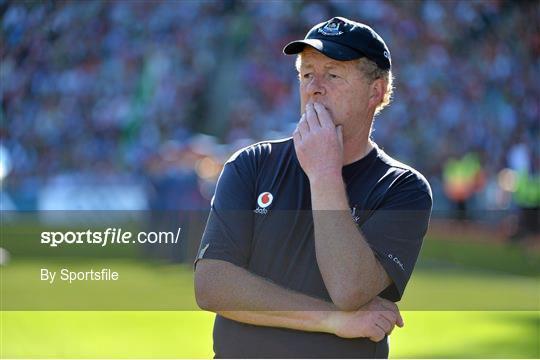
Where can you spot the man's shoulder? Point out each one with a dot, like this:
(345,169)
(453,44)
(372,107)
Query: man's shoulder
(407,174)
(262,150)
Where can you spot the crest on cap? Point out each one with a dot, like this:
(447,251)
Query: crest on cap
(331,28)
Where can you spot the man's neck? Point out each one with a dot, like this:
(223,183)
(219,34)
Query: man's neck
(354,150)
(356,142)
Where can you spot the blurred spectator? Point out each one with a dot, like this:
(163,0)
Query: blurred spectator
(462,179)
(526,179)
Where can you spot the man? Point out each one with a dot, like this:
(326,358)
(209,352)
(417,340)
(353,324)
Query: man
(310,240)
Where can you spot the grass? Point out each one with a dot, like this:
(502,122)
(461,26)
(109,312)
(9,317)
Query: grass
(187,334)
(107,334)
(464,300)
(141,286)
(165,286)
(468,334)
(466,252)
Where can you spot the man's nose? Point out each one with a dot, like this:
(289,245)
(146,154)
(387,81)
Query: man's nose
(316,87)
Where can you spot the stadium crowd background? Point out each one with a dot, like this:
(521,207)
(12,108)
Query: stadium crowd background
(137,104)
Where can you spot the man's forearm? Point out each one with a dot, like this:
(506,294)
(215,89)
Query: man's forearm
(311,321)
(350,270)
(237,294)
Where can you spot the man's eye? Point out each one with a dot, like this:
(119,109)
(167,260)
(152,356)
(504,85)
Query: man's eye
(333,76)
(307,75)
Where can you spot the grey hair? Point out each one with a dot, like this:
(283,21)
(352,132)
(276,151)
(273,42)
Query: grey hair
(372,72)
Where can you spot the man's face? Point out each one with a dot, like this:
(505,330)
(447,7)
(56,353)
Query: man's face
(338,85)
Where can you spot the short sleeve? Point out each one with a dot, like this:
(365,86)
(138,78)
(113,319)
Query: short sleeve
(396,231)
(228,231)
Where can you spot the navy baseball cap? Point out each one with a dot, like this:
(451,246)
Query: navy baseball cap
(343,39)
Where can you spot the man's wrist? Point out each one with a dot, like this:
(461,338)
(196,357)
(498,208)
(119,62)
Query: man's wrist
(327,321)
(337,323)
(328,178)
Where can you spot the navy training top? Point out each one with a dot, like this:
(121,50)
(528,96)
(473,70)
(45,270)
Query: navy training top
(261,220)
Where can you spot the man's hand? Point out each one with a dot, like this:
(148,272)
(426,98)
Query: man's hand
(374,320)
(318,143)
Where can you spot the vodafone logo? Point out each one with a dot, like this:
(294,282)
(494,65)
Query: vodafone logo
(265,199)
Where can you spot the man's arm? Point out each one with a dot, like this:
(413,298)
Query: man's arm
(350,270)
(237,294)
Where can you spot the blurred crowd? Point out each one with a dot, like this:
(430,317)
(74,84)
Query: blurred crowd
(101,91)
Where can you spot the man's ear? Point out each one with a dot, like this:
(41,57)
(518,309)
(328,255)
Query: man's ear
(376,92)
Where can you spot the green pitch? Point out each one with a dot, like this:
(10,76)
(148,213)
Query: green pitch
(450,276)
(186,334)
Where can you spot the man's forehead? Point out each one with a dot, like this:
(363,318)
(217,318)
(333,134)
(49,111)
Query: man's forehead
(310,57)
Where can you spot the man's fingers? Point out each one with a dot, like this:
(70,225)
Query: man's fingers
(377,333)
(385,324)
(324,116)
(399,321)
(311,117)
(394,308)
(389,331)
(303,126)
(387,304)
(389,315)
(296,135)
